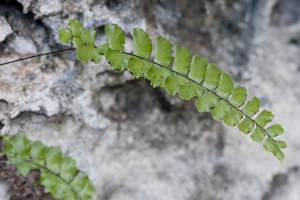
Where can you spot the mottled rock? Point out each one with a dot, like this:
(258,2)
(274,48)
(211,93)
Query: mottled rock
(5,29)
(22,45)
(41,7)
(136,142)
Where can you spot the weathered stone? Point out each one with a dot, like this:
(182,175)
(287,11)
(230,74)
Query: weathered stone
(136,142)
(41,7)
(5,29)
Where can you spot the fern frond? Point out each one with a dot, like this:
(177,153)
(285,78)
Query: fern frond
(191,77)
(57,172)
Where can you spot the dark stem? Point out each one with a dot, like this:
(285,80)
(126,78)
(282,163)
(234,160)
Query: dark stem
(43,54)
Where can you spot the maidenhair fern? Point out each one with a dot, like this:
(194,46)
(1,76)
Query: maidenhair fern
(190,76)
(58,173)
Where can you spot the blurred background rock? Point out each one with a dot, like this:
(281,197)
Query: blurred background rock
(139,143)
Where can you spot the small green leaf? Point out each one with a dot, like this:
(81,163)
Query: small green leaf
(139,67)
(88,36)
(252,106)
(60,189)
(8,148)
(212,77)
(190,90)
(239,96)
(102,48)
(198,69)
(269,144)
(117,60)
(47,179)
(65,34)
(233,117)
(22,146)
(86,53)
(246,126)
(142,43)
(225,86)
(69,196)
(25,167)
(182,60)
(77,42)
(163,52)
(80,180)
(53,159)
(264,117)
(258,134)
(115,37)
(76,27)
(87,192)
(207,101)
(68,168)
(37,150)
(275,130)
(157,76)
(280,156)
(173,83)
(221,110)
(281,144)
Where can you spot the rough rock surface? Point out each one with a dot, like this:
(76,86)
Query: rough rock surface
(5,29)
(136,142)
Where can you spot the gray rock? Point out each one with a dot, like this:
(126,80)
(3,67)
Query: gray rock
(5,29)
(136,142)
(22,45)
(41,7)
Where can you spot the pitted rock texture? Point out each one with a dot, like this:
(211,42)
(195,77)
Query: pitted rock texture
(136,142)
(5,29)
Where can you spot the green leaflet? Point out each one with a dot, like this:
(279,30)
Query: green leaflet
(172,83)
(221,110)
(21,145)
(252,106)
(77,42)
(65,35)
(225,86)
(37,150)
(275,130)
(238,97)
(198,69)
(87,53)
(139,67)
(117,60)
(233,117)
(212,77)
(88,37)
(115,37)
(263,118)
(58,173)
(258,134)
(102,48)
(182,60)
(163,52)
(158,75)
(207,101)
(142,43)
(189,78)
(76,27)
(246,126)
(190,90)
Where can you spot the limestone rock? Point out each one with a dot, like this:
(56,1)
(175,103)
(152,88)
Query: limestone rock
(5,29)
(136,142)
